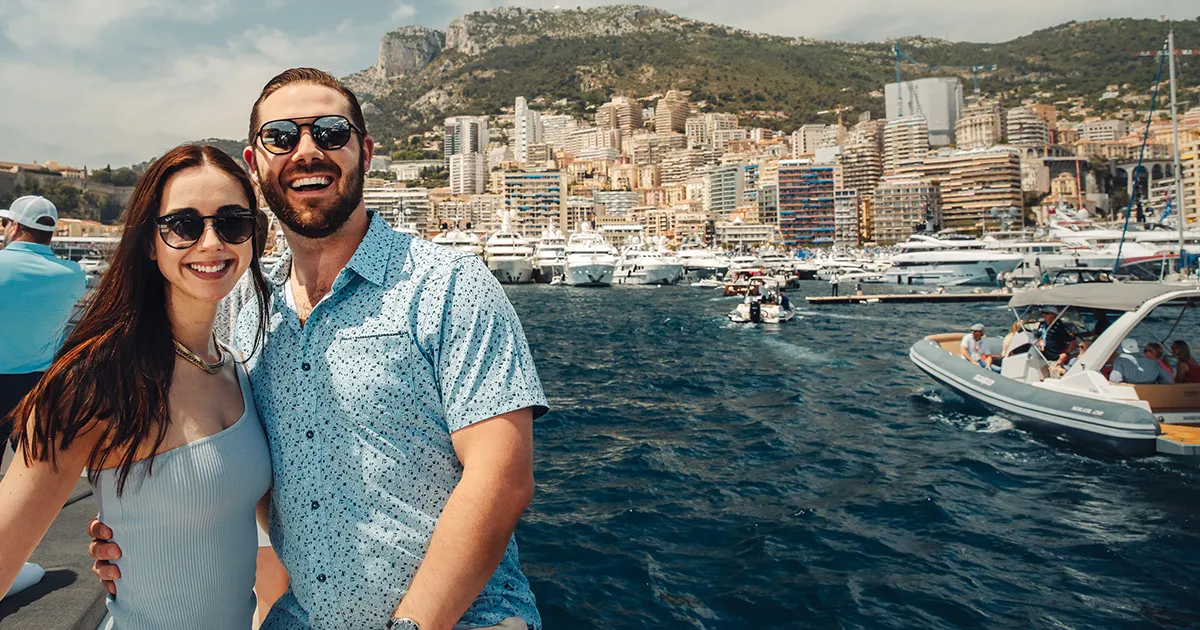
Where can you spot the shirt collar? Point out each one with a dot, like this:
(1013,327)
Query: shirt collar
(26,246)
(370,260)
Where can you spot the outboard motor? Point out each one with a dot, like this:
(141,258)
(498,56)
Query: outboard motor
(756,312)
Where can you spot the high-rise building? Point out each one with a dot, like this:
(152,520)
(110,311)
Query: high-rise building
(621,113)
(649,148)
(555,128)
(905,143)
(808,138)
(806,208)
(902,205)
(527,130)
(1024,128)
(468,174)
(862,166)
(972,183)
(592,138)
(724,186)
(1102,130)
(540,199)
(981,126)
(671,113)
(701,129)
(464,134)
(401,207)
(579,209)
(936,99)
(768,202)
(616,203)
(845,218)
(678,165)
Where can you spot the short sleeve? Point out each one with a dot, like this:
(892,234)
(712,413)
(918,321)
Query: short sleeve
(484,365)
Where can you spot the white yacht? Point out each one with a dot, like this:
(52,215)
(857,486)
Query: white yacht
(948,262)
(641,265)
(508,256)
(774,261)
(701,263)
(549,257)
(590,260)
(461,240)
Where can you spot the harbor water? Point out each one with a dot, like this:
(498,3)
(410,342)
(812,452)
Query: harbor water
(696,473)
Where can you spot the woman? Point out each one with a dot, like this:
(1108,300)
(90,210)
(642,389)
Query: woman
(1017,327)
(160,414)
(1159,353)
(1186,368)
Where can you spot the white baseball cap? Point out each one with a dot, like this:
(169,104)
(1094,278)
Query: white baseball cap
(31,212)
(1129,346)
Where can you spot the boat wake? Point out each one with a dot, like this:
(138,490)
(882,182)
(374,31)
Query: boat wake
(794,352)
(973,423)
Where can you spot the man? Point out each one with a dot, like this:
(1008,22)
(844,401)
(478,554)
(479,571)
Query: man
(834,281)
(972,347)
(1138,368)
(396,389)
(39,291)
(1056,341)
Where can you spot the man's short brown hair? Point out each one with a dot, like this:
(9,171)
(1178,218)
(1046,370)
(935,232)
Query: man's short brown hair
(311,76)
(30,235)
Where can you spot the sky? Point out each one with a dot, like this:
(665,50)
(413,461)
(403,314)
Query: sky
(99,82)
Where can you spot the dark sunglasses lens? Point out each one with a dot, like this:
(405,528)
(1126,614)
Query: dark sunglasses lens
(331,132)
(234,229)
(183,231)
(280,136)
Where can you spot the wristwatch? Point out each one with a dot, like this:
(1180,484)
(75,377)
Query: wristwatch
(401,623)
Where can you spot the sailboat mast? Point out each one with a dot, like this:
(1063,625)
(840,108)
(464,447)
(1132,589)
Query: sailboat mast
(1180,215)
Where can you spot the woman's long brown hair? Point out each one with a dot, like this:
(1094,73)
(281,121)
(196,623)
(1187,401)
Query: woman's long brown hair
(113,373)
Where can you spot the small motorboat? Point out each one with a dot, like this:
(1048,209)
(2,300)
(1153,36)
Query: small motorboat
(709,283)
(1079,399)
(762,304)
(760,313)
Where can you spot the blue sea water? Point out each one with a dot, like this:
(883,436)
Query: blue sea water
(700,474)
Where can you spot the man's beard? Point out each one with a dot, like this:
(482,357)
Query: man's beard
(319,219)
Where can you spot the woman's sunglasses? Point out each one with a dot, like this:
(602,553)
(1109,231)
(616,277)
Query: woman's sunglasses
(328,132)
(183,229)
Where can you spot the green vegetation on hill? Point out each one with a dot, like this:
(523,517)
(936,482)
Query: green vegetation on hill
(735,71)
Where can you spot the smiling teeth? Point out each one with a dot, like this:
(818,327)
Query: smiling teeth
(210,268)
(311,181)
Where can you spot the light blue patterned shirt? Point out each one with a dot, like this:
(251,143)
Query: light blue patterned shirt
(413,342)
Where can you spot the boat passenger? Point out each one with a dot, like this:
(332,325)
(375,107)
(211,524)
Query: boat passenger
(1017,327)
(1186,368)
(1137,369)
(786,305)
(1056,341)
(972,347)
(1156,351)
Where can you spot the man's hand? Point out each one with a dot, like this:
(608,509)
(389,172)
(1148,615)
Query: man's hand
(102,551)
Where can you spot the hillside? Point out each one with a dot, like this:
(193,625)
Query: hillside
(577,59)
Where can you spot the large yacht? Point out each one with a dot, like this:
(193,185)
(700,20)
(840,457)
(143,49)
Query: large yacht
(459,239)
(508,256)
(641,265)
(948,262)
(549,257)
(590,259)
(700,263)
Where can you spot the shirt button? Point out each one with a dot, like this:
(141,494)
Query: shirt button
(315,505)
(308,434)
(321,578)
(305,366)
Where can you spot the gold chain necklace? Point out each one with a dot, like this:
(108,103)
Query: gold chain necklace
(191,357)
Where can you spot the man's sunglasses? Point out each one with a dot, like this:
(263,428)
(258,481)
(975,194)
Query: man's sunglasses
(328,132)
(183,229)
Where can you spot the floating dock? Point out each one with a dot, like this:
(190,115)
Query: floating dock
(910,298)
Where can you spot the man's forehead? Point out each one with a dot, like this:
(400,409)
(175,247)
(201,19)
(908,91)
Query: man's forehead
(302,100)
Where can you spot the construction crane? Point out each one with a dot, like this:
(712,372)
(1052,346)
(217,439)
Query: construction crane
(841,129)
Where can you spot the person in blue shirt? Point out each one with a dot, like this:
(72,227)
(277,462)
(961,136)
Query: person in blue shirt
(397,392)
(40,290)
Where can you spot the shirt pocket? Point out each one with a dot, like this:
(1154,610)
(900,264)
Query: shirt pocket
(372,366)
